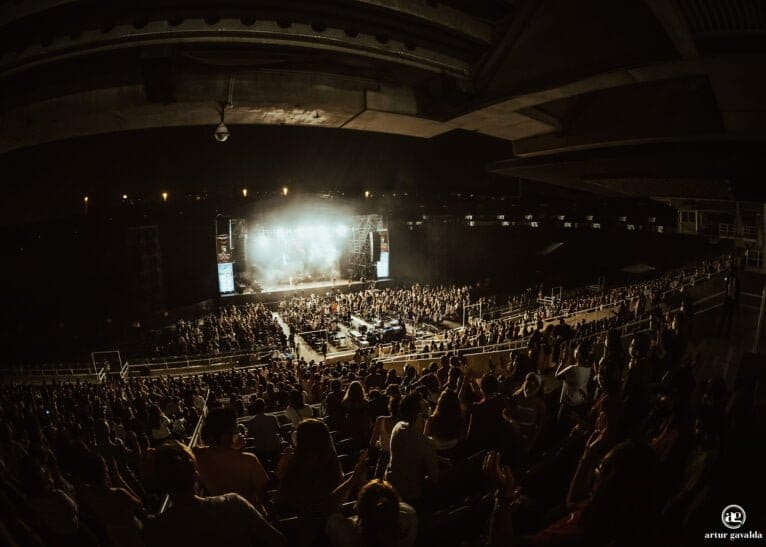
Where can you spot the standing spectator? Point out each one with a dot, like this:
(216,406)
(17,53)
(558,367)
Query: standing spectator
(380,442)
(333,405)
(446,427)
(264,430)
(308,476)
(356,420)
(413,456)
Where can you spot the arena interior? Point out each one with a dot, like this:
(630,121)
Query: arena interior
(385,273)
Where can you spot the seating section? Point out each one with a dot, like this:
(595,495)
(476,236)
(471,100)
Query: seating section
(590,433)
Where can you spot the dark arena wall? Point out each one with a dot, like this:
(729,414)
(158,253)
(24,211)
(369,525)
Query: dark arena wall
(77,298)
(515,257)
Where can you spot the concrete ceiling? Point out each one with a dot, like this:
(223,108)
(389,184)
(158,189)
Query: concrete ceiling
(554,78)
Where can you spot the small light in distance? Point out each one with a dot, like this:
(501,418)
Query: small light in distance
(85,200)
(164,196)
(284,190)
(367,194)
(124,196)
(244,192)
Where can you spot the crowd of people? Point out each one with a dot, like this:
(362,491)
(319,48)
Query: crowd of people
(252,326)
(641,295)
(231,328)
(414,305)
(578,438)
(574,441)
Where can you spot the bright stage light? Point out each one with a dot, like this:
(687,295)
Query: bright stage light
(281,232)
(263,241)
(341,230)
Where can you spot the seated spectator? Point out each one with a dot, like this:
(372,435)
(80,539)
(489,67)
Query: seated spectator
(223,468)
(193,521)
(116,509)
(413,456)
(55,510)
(264,431)
(159,423)
(606,516)
(298,410)
(382,520)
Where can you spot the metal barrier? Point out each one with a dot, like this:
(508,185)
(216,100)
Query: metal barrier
(172,364)
(191,444)
(730,230)
(81,373)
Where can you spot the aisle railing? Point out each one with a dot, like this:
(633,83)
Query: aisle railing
(196,433)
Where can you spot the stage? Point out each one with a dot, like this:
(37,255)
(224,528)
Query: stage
(275,293)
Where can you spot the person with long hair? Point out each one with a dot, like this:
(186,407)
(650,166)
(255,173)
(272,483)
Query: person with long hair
(159,424)
(356,420)
(310,472)
(446,426)
(381,520)
(527,414)
(413,457)
(380,442)
(297,410)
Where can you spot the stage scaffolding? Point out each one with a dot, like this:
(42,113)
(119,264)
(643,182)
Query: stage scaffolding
(360,260)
